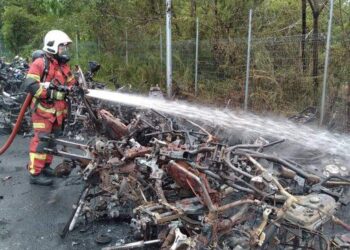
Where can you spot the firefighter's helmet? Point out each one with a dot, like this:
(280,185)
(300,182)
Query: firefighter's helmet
(53,39)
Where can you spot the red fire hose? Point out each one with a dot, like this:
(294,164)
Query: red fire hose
(17,125)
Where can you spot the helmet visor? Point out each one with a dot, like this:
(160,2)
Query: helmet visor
(63,49)
(63,53)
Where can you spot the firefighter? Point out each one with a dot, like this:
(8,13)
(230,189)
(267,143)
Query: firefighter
(47,77)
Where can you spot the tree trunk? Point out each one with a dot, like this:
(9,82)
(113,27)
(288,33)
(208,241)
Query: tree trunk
(193,8)
(316,11)
(346,45)
(193,15)
(303,17)
(315,56)
(217,22)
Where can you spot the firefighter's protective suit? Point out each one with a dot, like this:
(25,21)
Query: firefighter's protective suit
(49,105)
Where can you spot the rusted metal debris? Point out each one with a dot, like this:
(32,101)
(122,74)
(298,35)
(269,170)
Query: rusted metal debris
(182,188)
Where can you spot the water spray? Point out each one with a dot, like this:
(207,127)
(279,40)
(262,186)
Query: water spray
(238,121)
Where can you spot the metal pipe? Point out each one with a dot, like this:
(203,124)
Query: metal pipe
(239,188)
(137,244)
(8,95)
(212,174)
(234,178)
(248,61)
(274,180)
(66,155)
(310,177)
(77,211)
(227,160)
(343,178)
(325,76)
(67,143)
(168,49)
(341,223)
(238,217)
(82,197)
(200,150)
(254,146)
(237,203)
(206,197)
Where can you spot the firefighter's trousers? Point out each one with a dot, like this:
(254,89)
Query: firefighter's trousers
(38,159)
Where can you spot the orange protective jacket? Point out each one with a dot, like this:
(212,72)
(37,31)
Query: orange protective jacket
(58,74)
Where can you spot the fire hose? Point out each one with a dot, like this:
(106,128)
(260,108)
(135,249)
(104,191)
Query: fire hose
(12,136)
(17,126)
(24,107)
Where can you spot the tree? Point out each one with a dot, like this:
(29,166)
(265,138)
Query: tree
(303,21)
(316,7)
(18,28)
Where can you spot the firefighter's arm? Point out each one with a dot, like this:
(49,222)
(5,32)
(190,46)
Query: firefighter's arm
(32,82)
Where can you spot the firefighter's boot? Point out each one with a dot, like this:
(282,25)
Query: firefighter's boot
(40,180)
(48,172)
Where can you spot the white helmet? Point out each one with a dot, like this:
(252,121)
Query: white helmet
(53,38)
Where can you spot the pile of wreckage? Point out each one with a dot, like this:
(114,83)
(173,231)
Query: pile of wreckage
(182,187)
(12,75)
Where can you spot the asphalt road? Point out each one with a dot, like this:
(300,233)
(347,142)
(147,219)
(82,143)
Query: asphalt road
(31,216)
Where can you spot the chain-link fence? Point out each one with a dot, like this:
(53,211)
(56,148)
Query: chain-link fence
(281,78)
(282,74)
(286,72)
(4,52)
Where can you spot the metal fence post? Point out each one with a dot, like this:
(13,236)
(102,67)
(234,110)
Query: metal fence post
(325,75)
(196,60)
(248,61)
(168,49)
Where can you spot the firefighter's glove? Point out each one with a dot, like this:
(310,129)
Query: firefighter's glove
(56,95)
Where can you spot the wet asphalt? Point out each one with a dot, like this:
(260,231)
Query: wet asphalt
(31,216)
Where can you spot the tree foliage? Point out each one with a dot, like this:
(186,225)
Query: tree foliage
(18,27)
(105,30)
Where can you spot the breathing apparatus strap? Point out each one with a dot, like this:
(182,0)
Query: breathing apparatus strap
(46,69)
